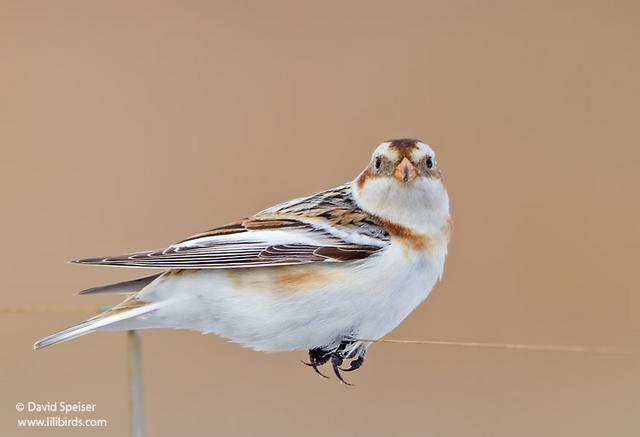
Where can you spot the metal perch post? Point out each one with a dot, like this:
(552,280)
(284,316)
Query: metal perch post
(135,384)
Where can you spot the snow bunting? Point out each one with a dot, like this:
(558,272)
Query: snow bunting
(317,273)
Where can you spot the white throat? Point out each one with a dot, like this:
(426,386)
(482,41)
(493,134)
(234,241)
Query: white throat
(422,206)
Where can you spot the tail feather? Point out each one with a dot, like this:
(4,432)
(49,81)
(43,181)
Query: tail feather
(123,287)
(127,310)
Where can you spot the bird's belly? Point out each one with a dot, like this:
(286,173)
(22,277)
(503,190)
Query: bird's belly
(303,307)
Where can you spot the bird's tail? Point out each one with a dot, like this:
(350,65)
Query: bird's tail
(111,318)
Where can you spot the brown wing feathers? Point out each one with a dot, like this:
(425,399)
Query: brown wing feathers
(218,248)
(289,254)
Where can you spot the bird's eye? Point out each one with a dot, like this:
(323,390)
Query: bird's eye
(429,162)
(378,162)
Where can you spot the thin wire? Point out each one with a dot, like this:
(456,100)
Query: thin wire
(516,346)
(46,308)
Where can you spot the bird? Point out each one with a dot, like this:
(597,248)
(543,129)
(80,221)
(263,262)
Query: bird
(322,273)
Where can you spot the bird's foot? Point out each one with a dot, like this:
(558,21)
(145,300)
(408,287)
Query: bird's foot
(354,364)
(319,357)
(336,362)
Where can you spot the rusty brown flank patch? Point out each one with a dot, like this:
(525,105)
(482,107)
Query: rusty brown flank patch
(299,278)
(285,279)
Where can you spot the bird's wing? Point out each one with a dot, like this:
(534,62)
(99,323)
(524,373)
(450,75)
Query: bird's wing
(325,227)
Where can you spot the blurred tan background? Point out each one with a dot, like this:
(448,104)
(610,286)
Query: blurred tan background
(130,125)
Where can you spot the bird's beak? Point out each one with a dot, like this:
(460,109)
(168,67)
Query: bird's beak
(405,171)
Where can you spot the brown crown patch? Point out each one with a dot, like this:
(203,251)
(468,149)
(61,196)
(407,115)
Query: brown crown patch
(403,143)
(404,147)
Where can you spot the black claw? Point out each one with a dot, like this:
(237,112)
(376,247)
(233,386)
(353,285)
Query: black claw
(318,357)
(354,364)
(315,367)
(336,361)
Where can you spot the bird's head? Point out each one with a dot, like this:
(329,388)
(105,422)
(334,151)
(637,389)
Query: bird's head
(403,183)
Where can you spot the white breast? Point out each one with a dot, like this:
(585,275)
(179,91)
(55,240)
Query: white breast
(402,280)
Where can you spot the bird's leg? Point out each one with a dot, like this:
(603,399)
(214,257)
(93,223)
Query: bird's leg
(356,355)
(344,351)
(318,357)
(336,361)
(355,364)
